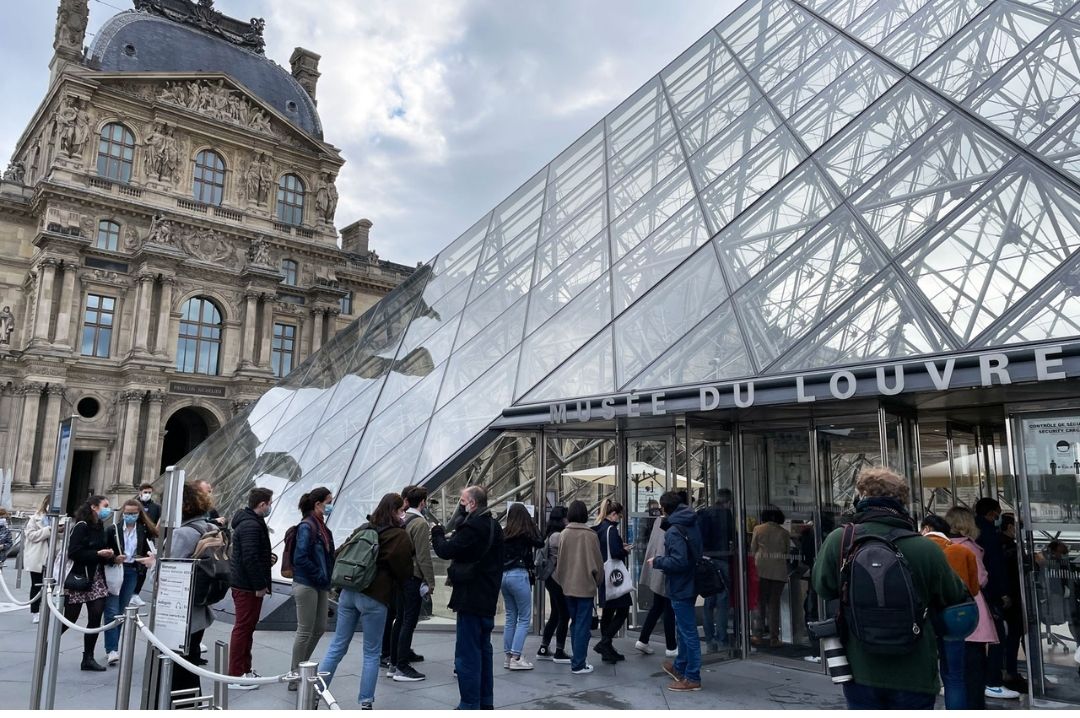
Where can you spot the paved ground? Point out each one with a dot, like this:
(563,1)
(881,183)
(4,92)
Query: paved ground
(636,683)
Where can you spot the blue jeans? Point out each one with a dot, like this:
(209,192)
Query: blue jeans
(472,661)
(688,661)
(580,610)
(866,698)
(951,655)
(114,606)
(355,607)
(718,606)
(517,595)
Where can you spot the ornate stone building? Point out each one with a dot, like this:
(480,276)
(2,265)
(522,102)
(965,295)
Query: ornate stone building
(168,243)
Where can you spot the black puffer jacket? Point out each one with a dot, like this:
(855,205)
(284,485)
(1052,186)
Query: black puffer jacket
(469,544)
(251,558)
(86,540)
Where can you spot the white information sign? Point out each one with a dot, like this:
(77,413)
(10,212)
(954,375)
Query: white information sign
(172,611)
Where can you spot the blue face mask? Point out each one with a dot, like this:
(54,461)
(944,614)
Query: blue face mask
(327,510)
(130,519)
(105,513)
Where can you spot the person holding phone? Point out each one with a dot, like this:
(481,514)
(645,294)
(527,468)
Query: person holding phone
(132,537)
(90,549)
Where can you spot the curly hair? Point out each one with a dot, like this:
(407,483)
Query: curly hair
(882,481)
(195,503)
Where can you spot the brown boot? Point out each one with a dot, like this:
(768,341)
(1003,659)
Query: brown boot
(684,686)
(669,668)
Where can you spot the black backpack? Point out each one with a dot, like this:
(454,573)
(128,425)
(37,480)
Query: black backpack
(708,581)
(880,607)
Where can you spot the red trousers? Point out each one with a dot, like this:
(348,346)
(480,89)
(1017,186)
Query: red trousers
(248,606)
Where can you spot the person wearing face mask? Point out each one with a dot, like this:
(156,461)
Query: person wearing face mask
(313,563)
(132,535)
(250,565)
(476,553)
(90,548)
(35,553)
(988,521)
(151,507)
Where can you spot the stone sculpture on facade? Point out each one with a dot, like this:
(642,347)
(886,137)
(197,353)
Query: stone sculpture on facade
(326,199)
(161,232)
(218,102)
(259,253)
(207,245)
(258,178)
(15,172)
(162,160)
(7,325)
(202,15)
(71,19)
(71,127)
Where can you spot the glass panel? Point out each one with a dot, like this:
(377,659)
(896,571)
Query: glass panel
(753,40)
(590,372)
(562,285)
(803,287)
(460,258)
(881,19)
(713,351)
(719,115)
(507,290)
(516,218)
(936,176)
(633,185)
(393,425)
(1054,313)
(639,148)
(645,112)
(1017,232)
(364,488)
(487,347)
(1030,95)
(697,76)
(844,13)
(926,30)
(555,249)
(733,142)
(1062,146)
(649,474)
(649,327)
(970,58)
(815,75)
(811,38)
(653,210)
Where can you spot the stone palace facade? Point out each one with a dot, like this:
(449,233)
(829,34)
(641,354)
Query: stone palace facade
(167,244)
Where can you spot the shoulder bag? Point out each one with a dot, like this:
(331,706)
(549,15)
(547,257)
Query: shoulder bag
(616,575)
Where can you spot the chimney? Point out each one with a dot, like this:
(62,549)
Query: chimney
(354,238)
(305,68)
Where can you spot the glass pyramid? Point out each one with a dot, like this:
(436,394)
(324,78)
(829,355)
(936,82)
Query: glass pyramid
(814,183)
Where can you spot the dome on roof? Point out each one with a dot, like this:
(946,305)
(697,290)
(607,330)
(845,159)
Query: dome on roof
(139,42)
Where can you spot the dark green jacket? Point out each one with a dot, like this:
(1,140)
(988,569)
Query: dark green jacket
(937,584)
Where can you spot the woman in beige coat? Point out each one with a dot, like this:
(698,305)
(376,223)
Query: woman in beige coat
(770,545)
(579,572)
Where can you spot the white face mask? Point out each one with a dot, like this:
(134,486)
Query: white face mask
(147,496)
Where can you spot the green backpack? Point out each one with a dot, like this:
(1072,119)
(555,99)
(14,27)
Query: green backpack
(355,565)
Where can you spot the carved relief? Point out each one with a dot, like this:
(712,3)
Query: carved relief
(207,245)
(70,127)
(257,180)
(217,101)
(203,16)
(71,19)
(259,253)
(131,239)
(162,158)
(161,232)
(7,325)
(326,198)
(15,172)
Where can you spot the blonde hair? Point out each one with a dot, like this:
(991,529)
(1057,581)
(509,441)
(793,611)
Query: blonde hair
(882,481)
(962,522)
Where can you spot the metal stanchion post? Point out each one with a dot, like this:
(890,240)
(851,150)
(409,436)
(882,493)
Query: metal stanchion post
(306,690)
(19,560)
(127,658)
(221,666)
(38,675)
(52,655)
(165,685)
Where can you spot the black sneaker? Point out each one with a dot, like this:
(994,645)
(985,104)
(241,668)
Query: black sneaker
(543,653)
(413,658)
(561,656)
(408,674)
(384,661)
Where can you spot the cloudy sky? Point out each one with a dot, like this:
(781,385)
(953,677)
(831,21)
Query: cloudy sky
(440,107)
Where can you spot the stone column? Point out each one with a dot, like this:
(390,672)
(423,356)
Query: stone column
(31,394)
(64,312)
(132,402)
(142,313)
(161,345)
(152,450)
(247,343)
(55,395)
(44,300)
(267,330)
(317,329)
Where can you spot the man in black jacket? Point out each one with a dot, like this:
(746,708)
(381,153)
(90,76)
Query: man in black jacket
(250,576)
(476,552)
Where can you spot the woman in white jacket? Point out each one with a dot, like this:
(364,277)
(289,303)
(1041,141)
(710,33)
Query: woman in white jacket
(35,547)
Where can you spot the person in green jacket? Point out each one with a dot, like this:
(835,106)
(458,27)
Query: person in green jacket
(892,681)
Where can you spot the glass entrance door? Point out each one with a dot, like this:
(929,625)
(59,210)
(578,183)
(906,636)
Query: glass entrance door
(649,473)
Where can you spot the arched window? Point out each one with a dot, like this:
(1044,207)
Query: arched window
(209,183)
(108,235)
(116,152)
(291,270)
(199,343)
(290,200)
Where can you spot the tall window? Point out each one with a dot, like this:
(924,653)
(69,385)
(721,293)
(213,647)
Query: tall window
(346,304)
(108,235)
(98,325)
(199,343)
(283,349)
(290,200)
(116,152)
(209,183)
(291,270)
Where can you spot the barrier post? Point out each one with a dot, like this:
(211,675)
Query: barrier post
(165,675)
(127,658)
(306,690)
(52,648)
(20,562)
(221,666)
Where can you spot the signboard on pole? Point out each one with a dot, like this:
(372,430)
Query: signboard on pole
(172,607)
(64,440)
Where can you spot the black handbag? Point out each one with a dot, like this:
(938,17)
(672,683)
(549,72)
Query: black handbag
(76,583)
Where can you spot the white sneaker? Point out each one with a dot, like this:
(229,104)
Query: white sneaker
(671,653)
(391,671)
(1000,692)
(644,648)
(245,686)
(520,664)
(113,658)
(136,600)
(506,662)
(203,648)
(812,659)
(582,671)
(36,618)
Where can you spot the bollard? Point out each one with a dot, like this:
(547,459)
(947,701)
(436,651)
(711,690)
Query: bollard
(37,677)
(306,690)
(127,658)
(52,656)
(221,666)
(165,685)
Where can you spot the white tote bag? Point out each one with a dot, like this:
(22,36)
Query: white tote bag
(616,575)
(114,572)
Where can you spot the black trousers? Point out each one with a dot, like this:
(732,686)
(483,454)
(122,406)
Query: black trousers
(35,590)
(559,620)
(388,628)
(611,620)
(94,611)
(975,675)
(182,678)
(405,620)
(661,608)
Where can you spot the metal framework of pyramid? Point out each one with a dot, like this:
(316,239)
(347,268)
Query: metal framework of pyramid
(812,184)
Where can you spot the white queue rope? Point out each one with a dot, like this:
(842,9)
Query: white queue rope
(74,626)
(12,599)
(324,693)
(183,662)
